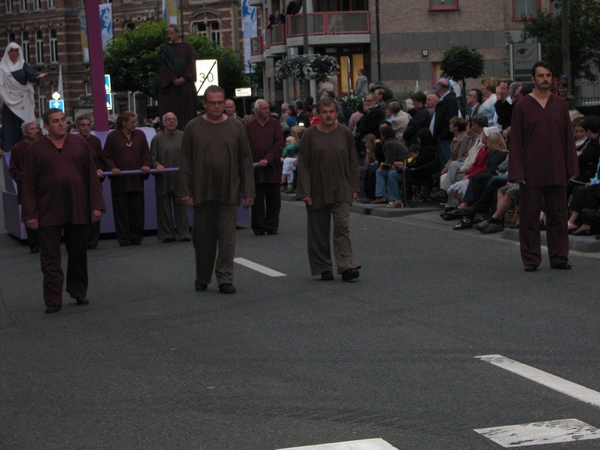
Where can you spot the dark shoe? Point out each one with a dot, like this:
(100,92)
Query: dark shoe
(136,242)
(186,239)
(440,196)
(168,240)
(365,200)
(82,301)
(530,268)
(271,232)
(457,213)
(327,275)
(259,233)
(586,232)
(290,191)
(200,286)
(482,226)
(562,266)
(493,228)
(350,274)
(447,216)
(124,243)
(52,308)
(463,225)
(380,200)
(226,288)
(591,213)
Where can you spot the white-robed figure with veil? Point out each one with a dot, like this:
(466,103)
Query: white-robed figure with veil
(16,93)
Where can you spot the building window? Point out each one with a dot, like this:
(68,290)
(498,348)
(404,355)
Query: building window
(524,8)
(25,45)
(42,99)
(39,47)
(210,29)
(51,4)
(53,47)
(37,4)
(23,5)
(9,7)
(443,4)
(130,26)
(11,37)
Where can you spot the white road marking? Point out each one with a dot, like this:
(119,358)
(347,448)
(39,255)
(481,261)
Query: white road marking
(365,444)
(544,378)
(258,268)
(539,433)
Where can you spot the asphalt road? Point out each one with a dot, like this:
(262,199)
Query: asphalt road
(293,361)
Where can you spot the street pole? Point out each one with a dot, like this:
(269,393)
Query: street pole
(305,39)
(566,51)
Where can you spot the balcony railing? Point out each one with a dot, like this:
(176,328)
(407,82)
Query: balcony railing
(256,46)
(275,35)
(333,22)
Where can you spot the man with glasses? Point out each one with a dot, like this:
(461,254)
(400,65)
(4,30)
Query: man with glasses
(474,99)
(215,170)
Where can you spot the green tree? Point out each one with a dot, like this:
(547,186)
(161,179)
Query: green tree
(461,62)
(132,60)
(584,39)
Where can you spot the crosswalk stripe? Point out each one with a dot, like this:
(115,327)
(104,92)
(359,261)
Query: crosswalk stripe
(258,268)
(364,444)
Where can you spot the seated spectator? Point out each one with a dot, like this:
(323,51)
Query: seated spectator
(488,89)
(457,169)
(370,166)
(393,151)
(507,196)
(288,157)
(579,133)
(399,119)
(459,149)
(584,196)
(396,177)
(488,159)
(292,154)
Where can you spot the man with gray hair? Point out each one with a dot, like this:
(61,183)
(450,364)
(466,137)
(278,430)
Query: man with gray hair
(84,127)
(266,142)
(164,151)
(16,168)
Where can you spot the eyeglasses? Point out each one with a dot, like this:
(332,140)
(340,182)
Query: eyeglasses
(214,103)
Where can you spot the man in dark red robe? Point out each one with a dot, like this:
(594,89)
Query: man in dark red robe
(177,71)
(542,160)
(84,127)
(61,196)
(266,142)
(16,168)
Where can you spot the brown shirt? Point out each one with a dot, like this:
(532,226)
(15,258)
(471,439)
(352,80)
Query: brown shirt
(327,166)
(542,147)
(164,150)
(215,162)
(18,156)
(125,154)
(266,142)
(60,185)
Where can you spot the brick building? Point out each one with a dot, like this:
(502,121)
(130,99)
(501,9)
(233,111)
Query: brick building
(49,32)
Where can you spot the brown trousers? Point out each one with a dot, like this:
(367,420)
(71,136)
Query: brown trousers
(166,205)
(76,242)
(128,211)
(557,216)
(214,226)
(266,208)
(319,231)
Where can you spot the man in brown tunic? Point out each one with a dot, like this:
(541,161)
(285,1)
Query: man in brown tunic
(164,150)
(16,168)
(177,72)
(84,127)
(266,142)
(215,170)
(61,195)
(328,184)
(542,160)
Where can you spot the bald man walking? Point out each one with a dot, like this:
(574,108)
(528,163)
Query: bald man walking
(266,142)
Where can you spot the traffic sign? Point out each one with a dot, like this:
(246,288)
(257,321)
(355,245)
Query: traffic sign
(59,104)
(107,86)
(109,102)
(243,92)
(207,74)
